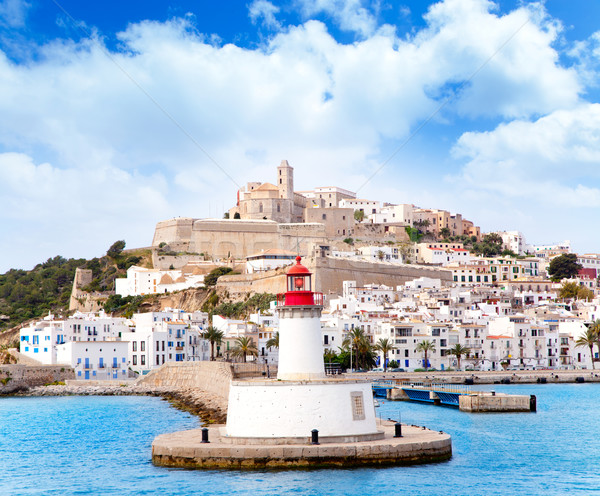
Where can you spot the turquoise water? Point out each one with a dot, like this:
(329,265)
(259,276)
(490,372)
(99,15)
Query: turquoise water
(101,446)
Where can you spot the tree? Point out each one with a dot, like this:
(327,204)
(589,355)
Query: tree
(445,232)
(361,348)
(384,345)
(426,346)
(213,275)
(596,328)
(274,341)
(359,215)
(564,266)
(115,249)
(215,336)
(588,339)
(380,255)
(413,234)
(458,351)
(575,291)
(244,346)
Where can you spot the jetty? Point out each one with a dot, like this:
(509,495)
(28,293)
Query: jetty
(454,395)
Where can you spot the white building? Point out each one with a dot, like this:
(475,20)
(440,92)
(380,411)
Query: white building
(142,281)
(95,360)
(272,258)
(367,206)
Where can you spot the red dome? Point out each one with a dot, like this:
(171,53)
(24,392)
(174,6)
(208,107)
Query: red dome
(298,268)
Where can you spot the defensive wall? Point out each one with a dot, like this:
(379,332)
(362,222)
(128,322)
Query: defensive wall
(226,238)
(330,272)
(17,377)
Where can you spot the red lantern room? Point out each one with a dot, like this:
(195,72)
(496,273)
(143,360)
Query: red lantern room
(299,287)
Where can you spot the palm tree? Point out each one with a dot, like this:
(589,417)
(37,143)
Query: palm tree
(588,339)
(596,327)
(458,350)
(215,337)
(274,341)
(244,346)
(360,346)
(385,346)
(426,346)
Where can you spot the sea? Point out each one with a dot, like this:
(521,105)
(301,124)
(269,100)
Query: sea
(101,445)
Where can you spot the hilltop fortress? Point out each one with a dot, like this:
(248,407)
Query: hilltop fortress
(313,223)
(268,216)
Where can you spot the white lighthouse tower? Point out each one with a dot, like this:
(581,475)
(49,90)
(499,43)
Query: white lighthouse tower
(302,398)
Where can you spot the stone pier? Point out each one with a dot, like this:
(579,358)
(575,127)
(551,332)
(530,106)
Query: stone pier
(185,449)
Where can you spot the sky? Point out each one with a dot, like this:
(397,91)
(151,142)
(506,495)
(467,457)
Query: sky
(116,115)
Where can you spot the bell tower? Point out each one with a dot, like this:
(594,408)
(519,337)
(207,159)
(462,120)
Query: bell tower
(285,180)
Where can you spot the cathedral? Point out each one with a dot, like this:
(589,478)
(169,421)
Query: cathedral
(266,201)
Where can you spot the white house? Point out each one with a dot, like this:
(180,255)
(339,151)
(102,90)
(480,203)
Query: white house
(95,360)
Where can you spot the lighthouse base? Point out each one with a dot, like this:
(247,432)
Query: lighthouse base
(293,409)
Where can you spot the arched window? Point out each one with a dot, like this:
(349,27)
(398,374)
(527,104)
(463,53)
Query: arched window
(278,208)
(260,208)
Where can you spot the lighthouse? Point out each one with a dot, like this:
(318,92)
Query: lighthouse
(302,398)
(300,341)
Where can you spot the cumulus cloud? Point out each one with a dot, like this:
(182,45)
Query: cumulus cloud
(541,177)
(350,15)
(115,122)
(265,10)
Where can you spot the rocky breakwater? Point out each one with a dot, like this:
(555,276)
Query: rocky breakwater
(207,406)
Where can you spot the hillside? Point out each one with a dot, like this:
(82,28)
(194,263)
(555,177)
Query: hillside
(30,294)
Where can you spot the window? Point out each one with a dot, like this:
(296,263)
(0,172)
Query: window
(324,216)
(135,359)
(143,360)
(142,346)
(134,346)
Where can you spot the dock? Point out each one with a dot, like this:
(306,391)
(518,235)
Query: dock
(454,395)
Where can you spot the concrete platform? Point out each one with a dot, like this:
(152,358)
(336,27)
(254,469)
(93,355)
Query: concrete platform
(185,449)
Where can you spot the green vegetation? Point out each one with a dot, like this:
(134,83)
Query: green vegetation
(589,339)
(212,277)
(359,215)
(490,246)
(414,234)
(384,345)
(575,291)
(349,241)
(125,306)
(564,267)
(244,346)
(31,294)
(357,349)
(426,346)
(458,350)
(274,341)
(240,309)
(28,294)
(215,337)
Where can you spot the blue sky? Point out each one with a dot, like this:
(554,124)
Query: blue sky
(116,115)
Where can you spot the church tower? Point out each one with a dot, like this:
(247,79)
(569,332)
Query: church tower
(285,180)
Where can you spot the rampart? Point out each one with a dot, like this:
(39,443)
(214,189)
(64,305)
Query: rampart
(18,377)
(330,273)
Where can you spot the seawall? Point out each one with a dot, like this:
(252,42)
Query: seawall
(20,377)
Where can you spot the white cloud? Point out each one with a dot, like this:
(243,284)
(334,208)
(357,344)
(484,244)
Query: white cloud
(266,10)
(350,15)
(325,106)
(540,177)
(13,12)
